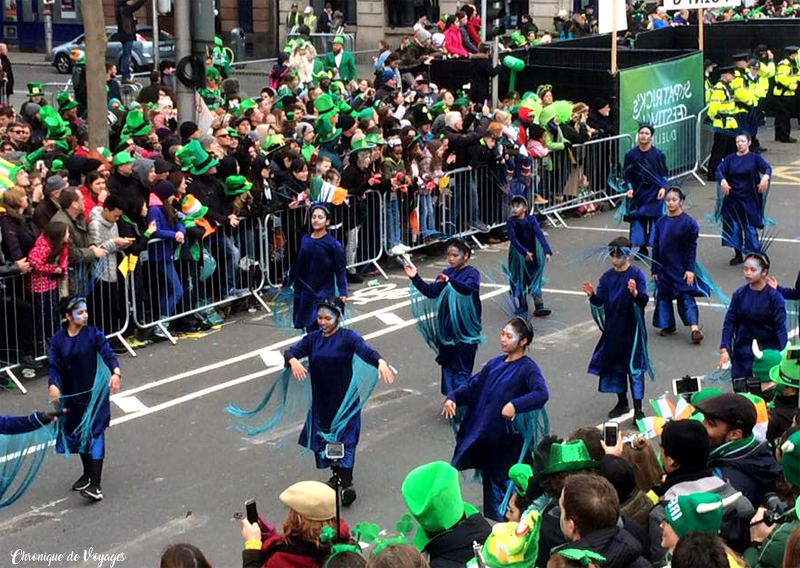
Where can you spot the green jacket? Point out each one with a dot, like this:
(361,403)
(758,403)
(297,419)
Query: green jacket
(347,68)
(770,553)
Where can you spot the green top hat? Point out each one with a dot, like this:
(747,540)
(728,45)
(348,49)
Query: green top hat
(272,144)
(122,158)
(135,124)
(35,89)
(697,512)
(339,40)
(569,456)
(790,459)
(236,185)
(513,545)
(65,101)
(438,108)
(375,139)
(324,104)
(518,40)
(57,129)
(360,145)
(787,372)
(433,497)
(194,159)
(325,131)
(421,114)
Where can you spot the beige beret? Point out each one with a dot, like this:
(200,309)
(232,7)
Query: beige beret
(314,500)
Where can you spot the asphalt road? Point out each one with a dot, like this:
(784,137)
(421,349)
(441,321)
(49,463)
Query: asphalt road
(175,471)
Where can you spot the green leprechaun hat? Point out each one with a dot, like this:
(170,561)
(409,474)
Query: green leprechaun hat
(35,89)
(194,159)
(787,372)
(57,129)
(569,456)
(433,496)
(65,101)
(698,512)
(375,139)
(325,131)
(512,545)
(121,158)
(237,185)
(272,144)
(764,361)
(135,124)
(422,114)
(324,105)
(520,475)
(360,143)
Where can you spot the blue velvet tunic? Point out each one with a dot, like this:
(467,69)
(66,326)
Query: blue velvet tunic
(674,253)
(612,355)
(19,424)
(319,265)
(753,315)
(330,365)
(466,281)
(523,234)
(73,366)
(744,204)
(485,439)
(647,173)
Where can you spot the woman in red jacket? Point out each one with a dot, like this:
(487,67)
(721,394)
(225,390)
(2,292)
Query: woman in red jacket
(452,38)
(473,24)
(48,260)
(312,507)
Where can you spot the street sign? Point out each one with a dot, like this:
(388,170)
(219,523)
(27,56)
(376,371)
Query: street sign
(694,4)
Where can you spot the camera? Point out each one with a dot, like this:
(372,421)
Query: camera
(334,451)
(747,384)
(776,510)
(686,385)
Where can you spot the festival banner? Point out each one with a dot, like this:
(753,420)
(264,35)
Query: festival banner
(664,94)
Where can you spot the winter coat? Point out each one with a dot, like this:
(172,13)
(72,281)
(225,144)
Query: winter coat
(211,193)
(44,212)
(19,235)
(126,23)
(452,42)
(89,202)
(735,519)
(102,233)
(43,277)
(163,251)
(127,189)
(770,553)
(79,251)
(453,548)
(482,73)
(752,471)
(618,546)
(466,41)
(460,141)
(637,508)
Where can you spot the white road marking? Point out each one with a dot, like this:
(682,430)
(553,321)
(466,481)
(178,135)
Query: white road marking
(129,404)
(390,318)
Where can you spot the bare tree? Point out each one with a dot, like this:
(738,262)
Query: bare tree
(95,38)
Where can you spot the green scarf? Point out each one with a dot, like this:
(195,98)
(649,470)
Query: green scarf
(729,448)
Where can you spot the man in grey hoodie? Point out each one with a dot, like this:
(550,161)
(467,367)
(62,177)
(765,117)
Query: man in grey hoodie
(685,448)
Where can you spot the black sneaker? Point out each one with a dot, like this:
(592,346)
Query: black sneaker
(92,493)
(638,415)
(348,496)
(542,312)
(82,483)
(619,410)
(737,259)
(644,251)
(354,278)
(667,331)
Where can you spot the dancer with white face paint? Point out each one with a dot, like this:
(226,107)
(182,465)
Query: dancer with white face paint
(757,311)
(77,352)
(508,385)
(330,351)
(319,270)
(621,354)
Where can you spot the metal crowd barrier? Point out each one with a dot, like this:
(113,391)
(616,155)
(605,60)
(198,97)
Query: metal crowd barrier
(30,319)
(220,269)
(679,139)
(358,228)
(578,175)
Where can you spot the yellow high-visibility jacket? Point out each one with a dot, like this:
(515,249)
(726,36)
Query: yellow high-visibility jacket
(742,93)
(722,107)
(786,78)
(767,70)
(709,88)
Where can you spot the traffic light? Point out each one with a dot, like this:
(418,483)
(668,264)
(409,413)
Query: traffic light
(495,19)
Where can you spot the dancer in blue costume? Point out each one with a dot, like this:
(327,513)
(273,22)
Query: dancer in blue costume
(456,340)
(79,384)
(743,180)
(673,268)
(757,311)
(10,425)
(527,253)
(792,295)
(330,351)
(645,171)
(487,441)
(621,354)
(319,271)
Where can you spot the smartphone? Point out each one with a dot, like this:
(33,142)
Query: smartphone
(334,451)
(252,511)
(610,433)
(686,385)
